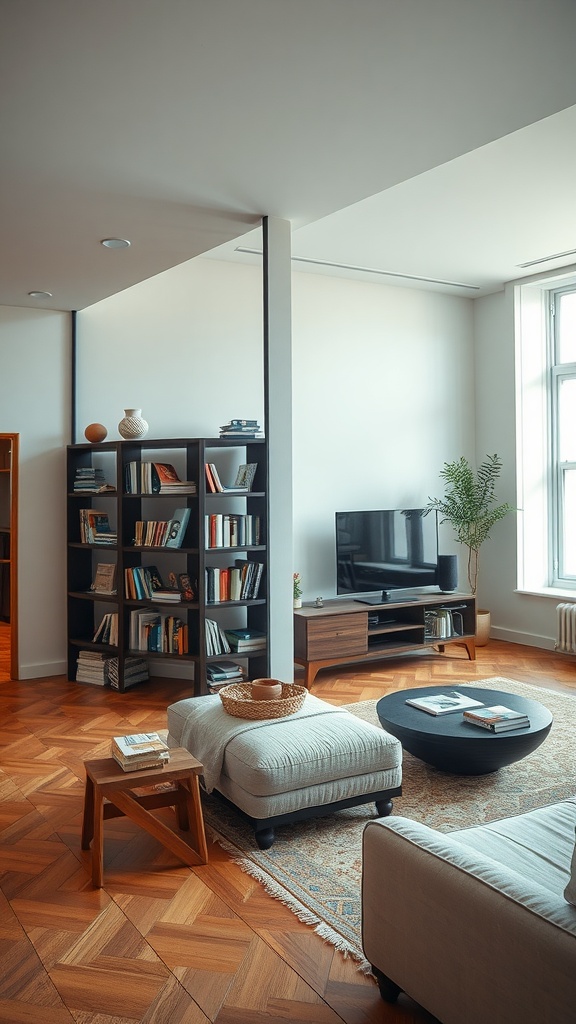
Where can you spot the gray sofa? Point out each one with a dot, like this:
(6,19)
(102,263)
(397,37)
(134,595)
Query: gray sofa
(477,925)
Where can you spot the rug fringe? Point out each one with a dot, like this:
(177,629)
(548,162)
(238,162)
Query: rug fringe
(278,891)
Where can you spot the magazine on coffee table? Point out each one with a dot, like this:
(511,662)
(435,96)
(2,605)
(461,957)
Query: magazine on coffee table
(444,703)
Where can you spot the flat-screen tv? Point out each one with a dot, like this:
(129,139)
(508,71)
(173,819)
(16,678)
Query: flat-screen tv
(381,552)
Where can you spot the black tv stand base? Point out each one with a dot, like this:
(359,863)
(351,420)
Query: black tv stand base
(385,595)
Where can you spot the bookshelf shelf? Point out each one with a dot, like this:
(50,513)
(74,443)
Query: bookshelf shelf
(142,618)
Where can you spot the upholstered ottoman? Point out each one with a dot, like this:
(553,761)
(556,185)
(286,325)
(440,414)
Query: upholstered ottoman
(316,761)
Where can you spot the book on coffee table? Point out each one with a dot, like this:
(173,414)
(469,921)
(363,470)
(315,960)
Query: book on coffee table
(444,703)
(498,718)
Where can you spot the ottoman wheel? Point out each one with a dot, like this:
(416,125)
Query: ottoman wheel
(384,807)
(265,837)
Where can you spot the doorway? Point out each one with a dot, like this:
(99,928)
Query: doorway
(8,556)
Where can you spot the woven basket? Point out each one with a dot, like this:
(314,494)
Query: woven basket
(237,701)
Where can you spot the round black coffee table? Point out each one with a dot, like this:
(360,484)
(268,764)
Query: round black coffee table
(454,745)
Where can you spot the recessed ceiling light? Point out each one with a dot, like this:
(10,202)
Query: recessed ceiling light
(40,295)
(115,243)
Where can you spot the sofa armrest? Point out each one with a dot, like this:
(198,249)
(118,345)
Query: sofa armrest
(436,921)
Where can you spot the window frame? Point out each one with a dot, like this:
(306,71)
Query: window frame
(558,374)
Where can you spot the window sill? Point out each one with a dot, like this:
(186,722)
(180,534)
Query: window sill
(555,592)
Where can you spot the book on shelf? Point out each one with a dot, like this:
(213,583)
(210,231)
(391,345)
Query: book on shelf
(140,750)
(498,718)
(216,639)
(240,423)
(155,478)
(223,530)
(95,527)
(246,639)
(107,631)
(104,578)
(444,703)
(239,582)
(158,632)
(224,670)
(177,529)
(242,483)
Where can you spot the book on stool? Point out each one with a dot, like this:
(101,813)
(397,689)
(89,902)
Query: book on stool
(140,750)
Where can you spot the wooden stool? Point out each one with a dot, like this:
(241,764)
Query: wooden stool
(109,794)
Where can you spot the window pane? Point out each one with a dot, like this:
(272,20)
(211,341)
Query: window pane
(569,567)
(567,328)
(567,420)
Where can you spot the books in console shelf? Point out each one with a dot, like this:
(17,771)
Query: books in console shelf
(498,718)
(140,750)
(444,703)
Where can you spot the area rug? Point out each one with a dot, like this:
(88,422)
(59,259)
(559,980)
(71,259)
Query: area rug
(314,867)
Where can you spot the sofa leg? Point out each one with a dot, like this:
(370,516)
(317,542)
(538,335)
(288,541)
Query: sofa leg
(384,807)
(389,990)
(265,838)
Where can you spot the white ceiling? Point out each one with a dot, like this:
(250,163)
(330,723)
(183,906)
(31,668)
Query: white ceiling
(429,139)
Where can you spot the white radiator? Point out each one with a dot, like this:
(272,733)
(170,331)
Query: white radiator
(566,632)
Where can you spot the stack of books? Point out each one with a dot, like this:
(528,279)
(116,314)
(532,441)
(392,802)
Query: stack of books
(140,750)
(498,718)
(135,671)
(244,641)
(247,429)
(88,478)
(444,703)
(104,578)
(222,673)
(92,667)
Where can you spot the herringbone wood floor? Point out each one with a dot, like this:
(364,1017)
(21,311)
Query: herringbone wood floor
(162,942)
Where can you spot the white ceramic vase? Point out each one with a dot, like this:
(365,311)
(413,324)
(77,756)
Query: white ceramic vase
(132,427)
(297,603)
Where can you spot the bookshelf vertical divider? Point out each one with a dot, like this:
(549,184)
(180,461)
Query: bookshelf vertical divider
(176,633)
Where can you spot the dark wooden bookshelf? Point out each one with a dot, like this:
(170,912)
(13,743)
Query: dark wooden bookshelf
(189,456)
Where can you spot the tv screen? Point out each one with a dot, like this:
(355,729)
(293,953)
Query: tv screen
(386,550)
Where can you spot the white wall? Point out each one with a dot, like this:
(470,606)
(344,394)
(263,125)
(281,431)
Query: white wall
(520,618)
(34,402)
(383,395)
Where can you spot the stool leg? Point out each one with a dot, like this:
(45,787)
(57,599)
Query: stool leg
(98,844)
(88,816)
(194,815)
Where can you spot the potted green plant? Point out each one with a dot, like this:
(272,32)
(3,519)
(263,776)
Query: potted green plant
(469,505)
(297,590)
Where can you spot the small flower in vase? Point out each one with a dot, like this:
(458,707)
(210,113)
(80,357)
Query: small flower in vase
(297,590)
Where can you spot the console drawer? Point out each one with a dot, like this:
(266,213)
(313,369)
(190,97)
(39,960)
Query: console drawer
(336,636)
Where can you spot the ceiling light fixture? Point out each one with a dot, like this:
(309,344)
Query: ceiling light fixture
(115,243)
(369,270)
(40,295)
(545,259)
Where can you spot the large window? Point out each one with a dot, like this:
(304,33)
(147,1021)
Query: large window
(545,313)
(563,435)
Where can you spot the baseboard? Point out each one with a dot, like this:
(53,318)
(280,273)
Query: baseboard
(513,636)
(57,668)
